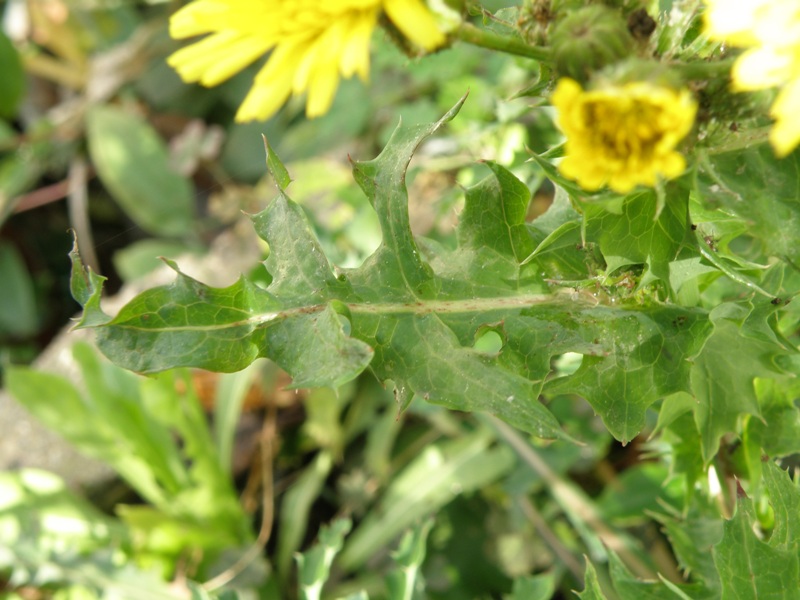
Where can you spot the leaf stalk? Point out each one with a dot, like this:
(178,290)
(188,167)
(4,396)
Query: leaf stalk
(470,34)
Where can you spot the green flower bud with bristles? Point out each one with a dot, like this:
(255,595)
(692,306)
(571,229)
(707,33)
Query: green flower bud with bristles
(589,39)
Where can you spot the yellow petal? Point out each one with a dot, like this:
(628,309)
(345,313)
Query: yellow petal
(732,22)
(196,18)
(263,101)
(272,85)
(225,61)
(415,21)
(206,16)
(355,54)
(673,165)
(785,134)
(324,75)
(761,68)
(192,61)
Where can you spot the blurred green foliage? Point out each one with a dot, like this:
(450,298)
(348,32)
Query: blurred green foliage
(244,490)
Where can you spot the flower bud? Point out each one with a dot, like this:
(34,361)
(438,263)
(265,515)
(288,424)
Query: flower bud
(588,40)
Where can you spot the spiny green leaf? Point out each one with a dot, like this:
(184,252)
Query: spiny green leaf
(635,234)
(684,439)
(559,250)
(316,350)
(692,537)
(630,588)
(301,274)
(751,569)
(422,355)
(722,378)
(190,324)
(779,432)
(784,496)
(631,359)
(499,224)
(396,267)
(415,322)
(760,188)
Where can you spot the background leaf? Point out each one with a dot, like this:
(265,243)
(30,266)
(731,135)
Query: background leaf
(12,84)
(131,160)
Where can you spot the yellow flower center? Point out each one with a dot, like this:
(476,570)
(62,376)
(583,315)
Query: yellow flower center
(622,136)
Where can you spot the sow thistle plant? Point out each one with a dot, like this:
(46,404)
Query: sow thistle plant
(665,262)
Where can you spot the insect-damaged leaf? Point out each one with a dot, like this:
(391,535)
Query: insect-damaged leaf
(413,317)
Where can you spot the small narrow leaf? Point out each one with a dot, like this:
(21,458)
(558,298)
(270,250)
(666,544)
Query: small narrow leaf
(86,287)
(535,587)
(276,168)
(295,509)
(591,590)
(409,556)
(431,480)
(314,566)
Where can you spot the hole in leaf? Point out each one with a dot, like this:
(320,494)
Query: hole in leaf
(567,363)
(488,341)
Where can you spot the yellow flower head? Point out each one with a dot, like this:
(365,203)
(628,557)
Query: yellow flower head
(622,136)
(770,29)
(312,44)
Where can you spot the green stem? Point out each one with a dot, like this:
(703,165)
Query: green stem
(704,70)
(486,39)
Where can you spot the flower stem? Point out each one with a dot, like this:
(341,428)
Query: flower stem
(704,70)
(486,39)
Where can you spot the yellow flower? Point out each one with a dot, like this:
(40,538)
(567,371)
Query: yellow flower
(312,44)
(770,29)
(622,136)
